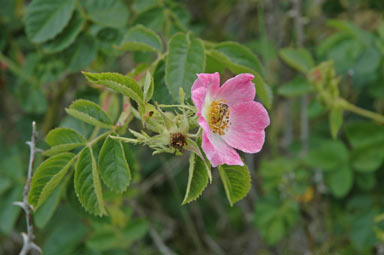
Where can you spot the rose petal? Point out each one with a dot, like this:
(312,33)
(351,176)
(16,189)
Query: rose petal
(246,131)
(238,89)
(205,85)
(218,152)
(205,126)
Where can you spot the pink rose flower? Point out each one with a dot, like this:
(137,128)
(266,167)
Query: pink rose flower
(229,117)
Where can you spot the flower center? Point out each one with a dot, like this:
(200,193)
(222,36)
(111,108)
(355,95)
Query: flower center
(218,115)
(178,141)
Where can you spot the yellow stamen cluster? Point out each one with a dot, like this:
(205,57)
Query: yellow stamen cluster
(218,117)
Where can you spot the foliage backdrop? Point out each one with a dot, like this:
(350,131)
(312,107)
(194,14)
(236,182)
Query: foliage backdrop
(316,186)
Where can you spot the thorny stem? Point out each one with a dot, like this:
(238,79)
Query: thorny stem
(28,244)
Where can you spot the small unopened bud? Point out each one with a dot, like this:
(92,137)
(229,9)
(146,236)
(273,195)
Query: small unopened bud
(178,141)
(148,115)
(316,75)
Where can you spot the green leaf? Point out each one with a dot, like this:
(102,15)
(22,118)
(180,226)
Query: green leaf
(47,18)
(340,181)
(328,155)
(368,62)
(299,59)
(366,181)
(315,109)
(32,99)
(335,121)
(5,183)
(90,113)
(47,176)
(46,211)
(60,148)
(67,36)
(230,57)
(240,55)
(59,136)
(8,12)
(106,237)
(275,231)
(67,231)
(63,139)
(110,13)
(329,43)
(120,83)
(236,180)
(152,18)
(8,211)
(135,230)
(113,166)
(368,158)
(351,29)
(197,179)
(81,54)
(361,232)
(185,59)
(161,92)
(263,91)
(213,63)
(274,217)
(274,171)
(364,133)
(87,183)
(12,164)
(149,87)
(295,88)
(107,39)
(140,38)
(103,238)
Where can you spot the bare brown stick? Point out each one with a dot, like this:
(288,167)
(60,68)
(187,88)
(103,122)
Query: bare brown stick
(28,244)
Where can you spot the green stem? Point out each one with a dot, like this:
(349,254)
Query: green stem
(360,111)
(93,142)
(208,44)
(99,137)
(81,10)
(94,133)
(125,139)
(177,105)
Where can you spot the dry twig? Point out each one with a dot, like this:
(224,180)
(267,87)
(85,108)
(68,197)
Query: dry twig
(28,244)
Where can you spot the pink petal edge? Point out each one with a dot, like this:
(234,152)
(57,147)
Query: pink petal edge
(238,89)
(204,84)
(219,153)
(248,121)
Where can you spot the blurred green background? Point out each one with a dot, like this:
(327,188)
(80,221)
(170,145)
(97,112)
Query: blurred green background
(314,191)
